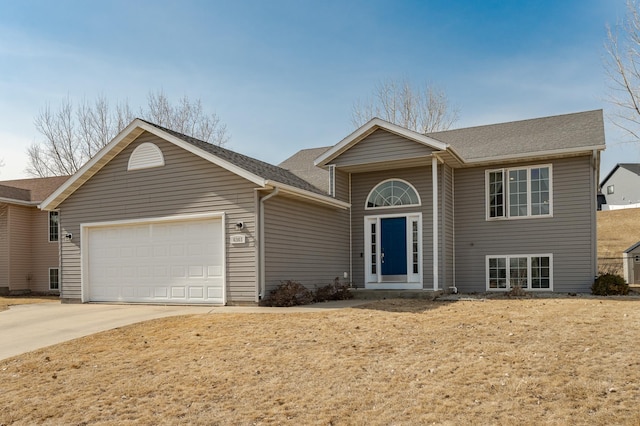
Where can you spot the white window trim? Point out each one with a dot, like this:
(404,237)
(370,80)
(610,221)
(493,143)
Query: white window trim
(54,289)
(49,226)
(506,197)
(366,201)
(374,281)
(528,256)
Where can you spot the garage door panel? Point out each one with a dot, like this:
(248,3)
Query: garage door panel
(174,262)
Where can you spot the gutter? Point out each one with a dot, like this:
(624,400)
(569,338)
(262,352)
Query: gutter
(18,202)
(263,284)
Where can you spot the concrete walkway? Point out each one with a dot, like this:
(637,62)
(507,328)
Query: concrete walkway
(25,328)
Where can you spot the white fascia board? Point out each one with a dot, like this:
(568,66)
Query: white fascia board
(205,155)
(323,199)
(524,156)
(46,204)
(368,128)
(18,202)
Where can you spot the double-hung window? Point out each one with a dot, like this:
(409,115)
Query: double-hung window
(519,192)
(529,272)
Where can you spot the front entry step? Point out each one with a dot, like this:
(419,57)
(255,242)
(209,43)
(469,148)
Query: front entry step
(367,294)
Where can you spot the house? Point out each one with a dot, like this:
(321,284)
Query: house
(29,237)
(157,216)
(631,264)
(621,187)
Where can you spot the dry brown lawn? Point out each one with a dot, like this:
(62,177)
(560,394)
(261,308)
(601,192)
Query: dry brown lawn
(617,231)
(498,361)
(5,302)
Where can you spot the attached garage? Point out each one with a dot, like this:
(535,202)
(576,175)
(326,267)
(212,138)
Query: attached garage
(154,261)
(159,217)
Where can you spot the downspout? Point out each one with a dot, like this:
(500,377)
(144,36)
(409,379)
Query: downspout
(434,201)
(263,284)
(594,214)
(453,226)
(60,286)
(350,237)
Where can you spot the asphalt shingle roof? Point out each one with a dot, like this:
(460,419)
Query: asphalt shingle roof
(301,164)
(259,168)
(31,190)
(555,133)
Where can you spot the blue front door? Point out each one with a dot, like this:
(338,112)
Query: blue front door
(393,246)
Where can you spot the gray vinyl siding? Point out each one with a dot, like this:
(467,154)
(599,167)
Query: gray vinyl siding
(19,221)
(361,185)
(304,242)
(342,186)
(45,254)
(4,249)
(381,146)
(187,184)
(568,235)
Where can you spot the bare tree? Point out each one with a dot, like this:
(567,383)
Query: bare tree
(72,135)
(622,65)
(423,108)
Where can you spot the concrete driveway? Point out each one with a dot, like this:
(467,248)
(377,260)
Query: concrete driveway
(24,328)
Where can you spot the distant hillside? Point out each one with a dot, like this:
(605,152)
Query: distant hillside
(617,231)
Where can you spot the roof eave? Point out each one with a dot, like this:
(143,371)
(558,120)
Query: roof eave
(309,195)
(18,202)
(537,154)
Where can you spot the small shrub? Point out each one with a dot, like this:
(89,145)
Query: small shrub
(516,291)
(609,284)
(289,293)
(334,291)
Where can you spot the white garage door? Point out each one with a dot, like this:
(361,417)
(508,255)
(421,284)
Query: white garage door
(159,262)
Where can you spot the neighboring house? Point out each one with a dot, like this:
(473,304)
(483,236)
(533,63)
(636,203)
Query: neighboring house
(29,237)
(622,185)
(157,216)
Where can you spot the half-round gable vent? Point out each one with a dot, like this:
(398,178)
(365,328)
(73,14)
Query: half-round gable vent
(145,156)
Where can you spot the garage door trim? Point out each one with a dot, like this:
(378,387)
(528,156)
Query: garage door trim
(86,227)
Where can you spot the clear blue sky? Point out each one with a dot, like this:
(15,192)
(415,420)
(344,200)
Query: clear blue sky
(283,75)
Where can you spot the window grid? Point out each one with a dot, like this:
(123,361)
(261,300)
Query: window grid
(54,228)
(540,191)
(373,250)
(496,194)
(530,272)
(540,272)
(497,272)
(518,193)
(393,193)
(54,278)
(518,267)
(527,192)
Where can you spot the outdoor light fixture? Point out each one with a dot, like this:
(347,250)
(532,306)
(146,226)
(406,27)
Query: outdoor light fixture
(68,236)
(240,225)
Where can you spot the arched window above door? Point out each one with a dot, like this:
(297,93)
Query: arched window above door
(393,193)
